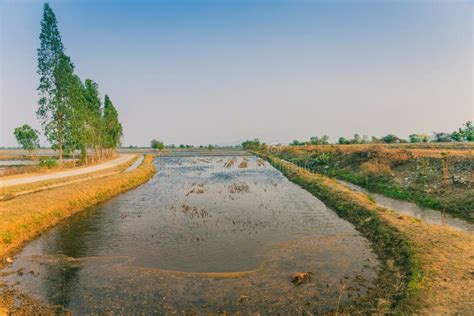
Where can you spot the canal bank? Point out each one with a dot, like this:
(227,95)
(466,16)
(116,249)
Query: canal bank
(433,262)
(25,217)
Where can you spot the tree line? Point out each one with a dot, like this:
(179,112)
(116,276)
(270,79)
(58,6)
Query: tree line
(463,134)
(72,113)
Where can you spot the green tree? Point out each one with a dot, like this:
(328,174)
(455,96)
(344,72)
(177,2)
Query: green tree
(94,116)
(413,138)
(156,144)
(343,141)
(113,130)
(390,139)
(27,137)
(468,131)
(441,137)
(252,144)
(53,66)
(315,140)
(357,139)
(297,143)
(78,116)
(457,136)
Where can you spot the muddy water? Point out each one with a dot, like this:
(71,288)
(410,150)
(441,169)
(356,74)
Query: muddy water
(409,208)
(200,237)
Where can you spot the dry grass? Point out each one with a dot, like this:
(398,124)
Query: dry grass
(393,152)
(229,163)
(13,172)
(445,256)
(375,168)
(15,190)
(243,164)
(26,216)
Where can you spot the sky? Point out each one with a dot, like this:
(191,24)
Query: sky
(219,72)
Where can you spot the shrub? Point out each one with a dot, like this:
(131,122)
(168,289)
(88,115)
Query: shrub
(47,163)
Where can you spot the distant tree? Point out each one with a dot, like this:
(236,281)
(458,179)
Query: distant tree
(315,140)
(297,143)
(376,140)
(27,137)
(210,147)
(390,139)
(457,136)
(469,131)
(466,133)
(343,141)
(251,144)
(156,144)
(441,137)
(413,138)
(357,139)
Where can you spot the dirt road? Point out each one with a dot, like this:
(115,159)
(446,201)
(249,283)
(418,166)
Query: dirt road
(63,174)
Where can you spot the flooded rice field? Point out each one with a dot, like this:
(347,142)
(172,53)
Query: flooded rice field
(410,208)
(204,235)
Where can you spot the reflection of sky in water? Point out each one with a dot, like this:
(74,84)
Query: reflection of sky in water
(187,218)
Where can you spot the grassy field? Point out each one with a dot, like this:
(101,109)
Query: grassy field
(438,177)
(427,269)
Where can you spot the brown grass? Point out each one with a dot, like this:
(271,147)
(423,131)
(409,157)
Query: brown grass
(243,164)
(13,172)
(375,168)
(24,217)
(229,163)
(392,152)
(16,190)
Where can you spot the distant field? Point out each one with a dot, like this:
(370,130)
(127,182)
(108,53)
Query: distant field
(7,154)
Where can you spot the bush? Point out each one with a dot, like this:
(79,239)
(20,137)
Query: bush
(47,163)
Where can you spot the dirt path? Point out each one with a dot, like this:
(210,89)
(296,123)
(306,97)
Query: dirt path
(64,174)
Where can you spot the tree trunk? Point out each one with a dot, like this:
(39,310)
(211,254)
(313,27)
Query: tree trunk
(60,139)
(84,154)
(60,154)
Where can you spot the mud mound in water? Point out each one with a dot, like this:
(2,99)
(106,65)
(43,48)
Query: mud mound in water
(240,187)
(229,163)
(199,189)
(193,212)
(243,164)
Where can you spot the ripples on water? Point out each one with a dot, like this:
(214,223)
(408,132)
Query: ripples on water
(141,251)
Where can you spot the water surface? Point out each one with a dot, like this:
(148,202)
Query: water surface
(200,237)
(409,208)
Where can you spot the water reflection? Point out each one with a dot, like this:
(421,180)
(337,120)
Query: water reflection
(180,241)
(412,209)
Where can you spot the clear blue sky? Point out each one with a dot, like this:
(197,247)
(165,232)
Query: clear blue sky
(204,72)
